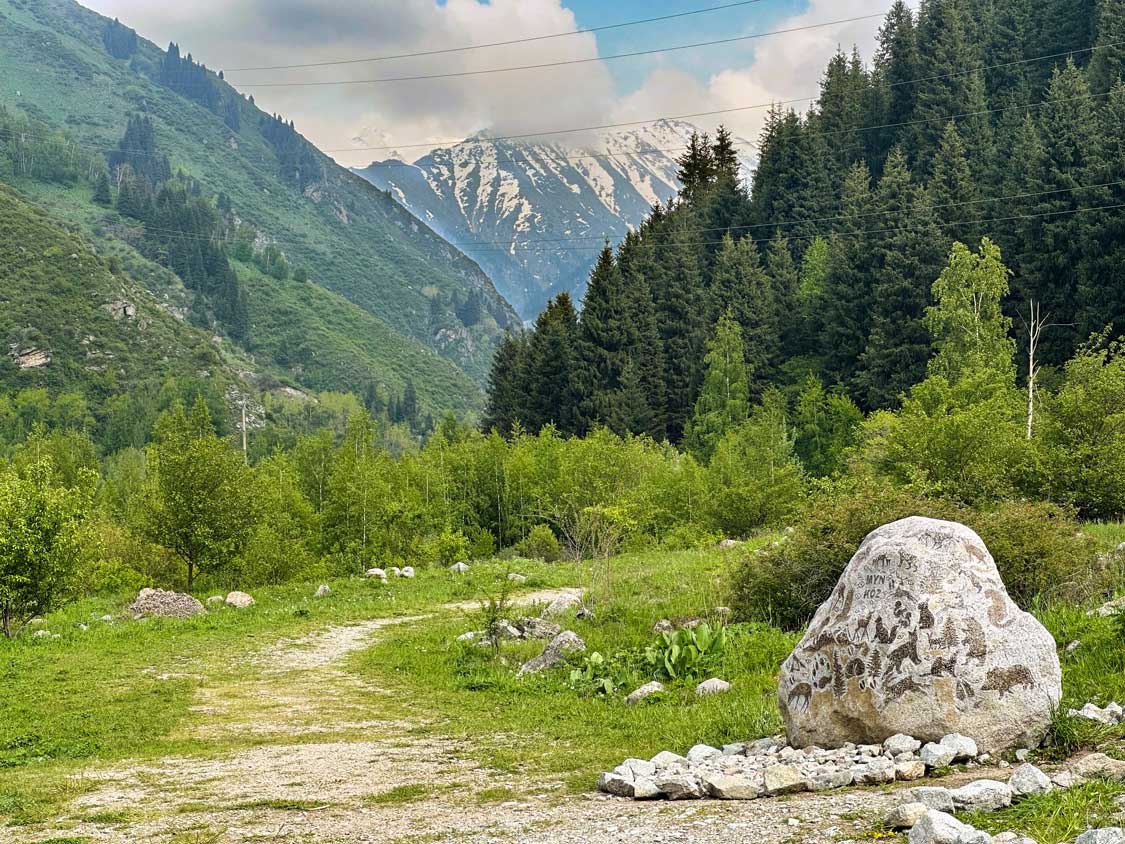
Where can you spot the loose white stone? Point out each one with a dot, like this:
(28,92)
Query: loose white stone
(615,784)
(982,796)
(323,591)
(876,772)
(239,600)
(913,769)
(680,786)
(714,686)
(377,574)
(940,828)
(920,623)
(963,746)
(667,759)
(905,816)
(937,798)
(703,752)
(825,780)
(1028,781)
(517,578)
(733,786)
(640,768)
(938,755)
(1012,838)
(459,568)
(783,779)
(647,690)
(900,743)
(407,572)
(1109,835)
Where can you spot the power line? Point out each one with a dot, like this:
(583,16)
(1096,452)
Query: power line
(444,51)
(564,63)
(505,246)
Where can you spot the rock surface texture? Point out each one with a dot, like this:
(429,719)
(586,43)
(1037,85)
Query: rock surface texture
(920,637)
(162,604)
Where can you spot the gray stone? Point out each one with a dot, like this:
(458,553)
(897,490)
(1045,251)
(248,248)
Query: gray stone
(900,743)
(615,784)
(1073,646)
(647,690)
(376,574)
(158,603)
(323,591)
(1028,781)
(471,636)
(1022,755)
(554,654)
(829,780)
(702,752)
(562,604)
(640,767)
(239,600)
(679,786)
(1012,838)
(714,686)
(537,628)
(737,749)
(783,779)
(905,816)
(663,626)
(727,544)
(1064,779)
(108,619)
(963,747)
(982,796)
(733,786)
(941,828)
(667,759)
(517,578)
(1090,712)
(407,572)
(214,600)
(645,788)
(938,755)
(1108,835)
(1098,766)
(1109,608)
(876,772)
(918,590)
(937,798)
(459,568)
(912,769)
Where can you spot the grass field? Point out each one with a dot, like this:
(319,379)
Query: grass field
(128,689)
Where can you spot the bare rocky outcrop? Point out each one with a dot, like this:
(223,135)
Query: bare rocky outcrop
(920,637)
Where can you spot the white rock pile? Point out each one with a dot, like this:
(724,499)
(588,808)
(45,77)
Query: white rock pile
(522,628)
(770,767)
(163,604)
(1111,715)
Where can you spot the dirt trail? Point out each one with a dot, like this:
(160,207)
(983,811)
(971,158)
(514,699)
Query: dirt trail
(322,770)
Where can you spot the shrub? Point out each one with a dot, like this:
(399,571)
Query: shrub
(445,549)
(1037,547)
(540,544)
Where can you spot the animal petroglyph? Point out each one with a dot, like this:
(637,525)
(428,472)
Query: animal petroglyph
(1005,680)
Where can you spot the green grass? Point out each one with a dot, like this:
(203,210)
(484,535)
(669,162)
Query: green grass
(1058,816)
(541,725)
(410,793)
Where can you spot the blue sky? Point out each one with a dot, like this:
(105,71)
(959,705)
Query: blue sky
(359,123)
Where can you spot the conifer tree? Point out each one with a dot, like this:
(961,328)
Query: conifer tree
(724,400)
(724,157)
(953,191)
(897,64)
(741,288)
(102,194)
(550,367)
(602,345)
(1107,65)
(507,386)
(696,167)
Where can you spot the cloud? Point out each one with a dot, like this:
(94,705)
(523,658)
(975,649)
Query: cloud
(246,33)
(784,67)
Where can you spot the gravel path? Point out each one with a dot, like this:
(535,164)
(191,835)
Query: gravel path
(322,771)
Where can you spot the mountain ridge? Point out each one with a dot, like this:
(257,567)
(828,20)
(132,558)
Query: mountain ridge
(534,215)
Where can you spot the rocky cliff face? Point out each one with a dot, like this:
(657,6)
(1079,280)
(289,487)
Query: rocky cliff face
(535,214)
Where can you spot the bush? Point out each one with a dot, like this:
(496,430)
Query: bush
(445,549)
(1037,547)
(540,544)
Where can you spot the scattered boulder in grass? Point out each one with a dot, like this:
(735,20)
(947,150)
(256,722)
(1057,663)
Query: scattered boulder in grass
(934,796)
(536,628)
(108,619)
(407,572)
(982,796)
(376,574)
(714,686)
(647,690)
(940,828)
(240,600)
(1109,835)
(1109,608)
(663,626)
(323,591)
(159,603)
(554,654)
(215,600)
(900,743)
(728,544)
(1028,781)
(1098,766)
(905,816)
(923,600)
(1012,838)
(517,578)
(459,568)
(1110,715)
(562,604)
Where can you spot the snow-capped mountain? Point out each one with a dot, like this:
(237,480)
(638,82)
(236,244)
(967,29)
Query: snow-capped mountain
(533,214)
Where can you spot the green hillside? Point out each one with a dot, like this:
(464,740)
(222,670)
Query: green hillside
(70,320)
(56,67)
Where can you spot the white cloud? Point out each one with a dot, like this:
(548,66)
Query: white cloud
(784,67)
(247,33)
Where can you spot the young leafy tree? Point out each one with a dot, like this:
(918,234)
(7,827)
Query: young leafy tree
(43,539)
(199,500)
(724,401)
(970,331)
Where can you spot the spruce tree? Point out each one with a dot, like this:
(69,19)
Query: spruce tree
(897,65)
(102,194)
(953,191)
(507,386)
(696,167)
(1107,65)
(724,400)
(741,288)
(602,343)
(551,396)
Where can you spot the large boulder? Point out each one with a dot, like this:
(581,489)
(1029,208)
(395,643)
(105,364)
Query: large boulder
(158,603)
(920,637)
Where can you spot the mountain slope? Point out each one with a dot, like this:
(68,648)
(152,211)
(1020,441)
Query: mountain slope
(69,321)
(534,215)
(351,238)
